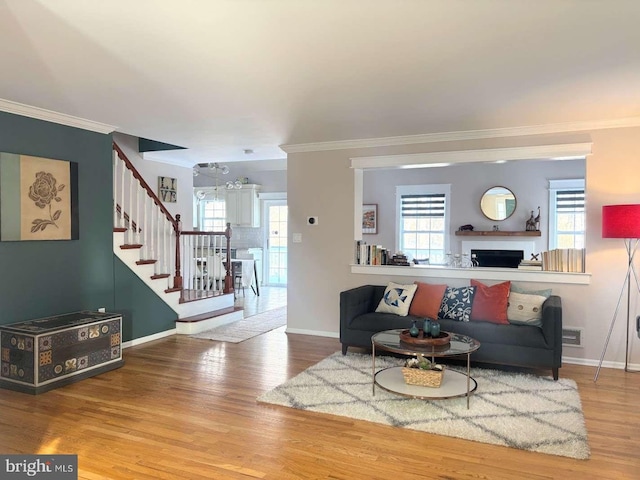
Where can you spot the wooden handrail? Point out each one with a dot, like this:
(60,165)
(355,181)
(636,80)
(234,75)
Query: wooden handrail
(144,184)
(175,222)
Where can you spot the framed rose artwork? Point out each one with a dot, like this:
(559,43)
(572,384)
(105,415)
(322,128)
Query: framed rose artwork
(38,198)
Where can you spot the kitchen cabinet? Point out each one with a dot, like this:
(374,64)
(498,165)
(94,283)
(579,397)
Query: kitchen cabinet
(243,206)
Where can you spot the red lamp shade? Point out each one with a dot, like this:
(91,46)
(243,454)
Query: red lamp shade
(621,221)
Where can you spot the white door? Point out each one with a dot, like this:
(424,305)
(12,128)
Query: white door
(275,258)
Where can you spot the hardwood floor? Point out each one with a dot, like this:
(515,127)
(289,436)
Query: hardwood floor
(184,408)
(269,299)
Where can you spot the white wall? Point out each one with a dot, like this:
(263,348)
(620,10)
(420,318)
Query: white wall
(322,184)
(151,170)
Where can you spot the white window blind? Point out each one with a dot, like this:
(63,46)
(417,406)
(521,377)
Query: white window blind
(566,213)
(423,221)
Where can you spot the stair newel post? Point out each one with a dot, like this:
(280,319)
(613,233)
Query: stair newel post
(177,279)
(228,279)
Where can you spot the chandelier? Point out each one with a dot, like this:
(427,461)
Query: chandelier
(213,170)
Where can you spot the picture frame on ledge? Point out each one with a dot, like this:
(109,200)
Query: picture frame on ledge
(370,218)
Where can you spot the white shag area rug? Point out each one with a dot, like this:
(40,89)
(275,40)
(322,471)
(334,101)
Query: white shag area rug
(516,410)
(241,330)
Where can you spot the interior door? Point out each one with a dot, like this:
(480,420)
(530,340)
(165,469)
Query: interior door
(275,259)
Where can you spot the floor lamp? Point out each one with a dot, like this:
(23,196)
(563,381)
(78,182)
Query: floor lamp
(622,221)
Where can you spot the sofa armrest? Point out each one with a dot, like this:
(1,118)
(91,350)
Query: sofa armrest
(552,322)
(355,302)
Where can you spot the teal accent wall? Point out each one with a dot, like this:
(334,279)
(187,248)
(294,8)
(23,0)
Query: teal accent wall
(143,313)
(43,278)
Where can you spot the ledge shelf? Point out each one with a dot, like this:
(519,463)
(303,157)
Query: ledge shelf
(497,233)
(480,273)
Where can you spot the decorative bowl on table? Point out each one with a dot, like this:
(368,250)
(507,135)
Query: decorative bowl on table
(443,338)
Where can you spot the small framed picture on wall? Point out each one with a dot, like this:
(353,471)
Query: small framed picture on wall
(370,218)
(168,189)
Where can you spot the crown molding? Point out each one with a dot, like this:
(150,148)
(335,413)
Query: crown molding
(462,135)
(420,160)
(54,117)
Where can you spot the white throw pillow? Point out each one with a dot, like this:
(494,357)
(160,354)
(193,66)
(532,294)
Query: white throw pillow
(397,299)
(525,309)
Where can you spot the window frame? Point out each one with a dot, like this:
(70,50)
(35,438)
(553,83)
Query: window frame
(209,195)
(424,189)
(556,186)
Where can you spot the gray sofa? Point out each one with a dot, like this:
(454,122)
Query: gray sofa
(517,345)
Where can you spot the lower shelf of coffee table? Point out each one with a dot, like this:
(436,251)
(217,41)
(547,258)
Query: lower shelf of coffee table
(454,384)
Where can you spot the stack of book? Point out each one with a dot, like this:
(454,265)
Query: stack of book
(530,265)
(399,259)
(564,260)
(366,254)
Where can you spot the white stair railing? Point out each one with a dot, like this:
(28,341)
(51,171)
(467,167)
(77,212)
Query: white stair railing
(188,260)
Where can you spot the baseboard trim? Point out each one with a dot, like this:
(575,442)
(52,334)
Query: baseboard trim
(148,338)
(594,363)
(315,333)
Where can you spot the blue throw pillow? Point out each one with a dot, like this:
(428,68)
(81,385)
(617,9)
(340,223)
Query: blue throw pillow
(456,303)
(546,293)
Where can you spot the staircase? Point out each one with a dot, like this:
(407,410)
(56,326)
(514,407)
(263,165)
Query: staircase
(176,265)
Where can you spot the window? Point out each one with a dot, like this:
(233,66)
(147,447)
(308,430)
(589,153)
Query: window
(423,221)
(213,215)
(566,213)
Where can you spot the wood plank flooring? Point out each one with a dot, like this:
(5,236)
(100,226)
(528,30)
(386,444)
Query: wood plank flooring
(184,408)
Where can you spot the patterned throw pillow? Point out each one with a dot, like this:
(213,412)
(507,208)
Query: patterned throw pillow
(456,303)
(397,299)
(525,309)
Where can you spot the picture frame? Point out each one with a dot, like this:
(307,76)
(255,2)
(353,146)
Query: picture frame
(38,198)
(370,218)
(168,189)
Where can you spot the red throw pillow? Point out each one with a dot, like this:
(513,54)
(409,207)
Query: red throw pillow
(490,302)
(427,299)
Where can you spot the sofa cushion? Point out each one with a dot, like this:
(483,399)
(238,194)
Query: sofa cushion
(525,309)
(377,322)
(427,299)
(490,302)
(397,299)
(456,303)
(491,333)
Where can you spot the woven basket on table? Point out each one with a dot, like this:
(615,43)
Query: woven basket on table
(423,378)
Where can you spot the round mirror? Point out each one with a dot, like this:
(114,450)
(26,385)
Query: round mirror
(498,203)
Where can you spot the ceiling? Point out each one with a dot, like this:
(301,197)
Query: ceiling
(219,77)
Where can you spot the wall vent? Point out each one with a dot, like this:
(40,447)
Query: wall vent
(572,336)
